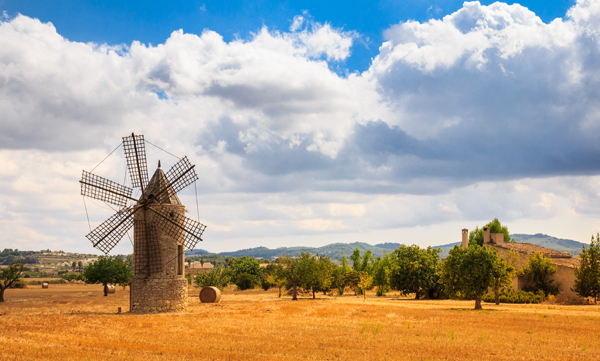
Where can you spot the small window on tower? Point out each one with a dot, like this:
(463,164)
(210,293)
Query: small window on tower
(180,259)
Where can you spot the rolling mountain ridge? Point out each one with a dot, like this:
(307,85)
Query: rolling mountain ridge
(334,250)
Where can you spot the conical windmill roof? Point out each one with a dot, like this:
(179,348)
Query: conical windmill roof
(158,182)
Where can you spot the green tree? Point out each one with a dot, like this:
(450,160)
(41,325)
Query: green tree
(352,280)
(339,274)
(587,275)
(415,270)
(292,273)
(217,277)
(80,265)
(245,281)
(476,235)
(247,266)
(502,277)
(275,276)
(107,270)
(344,263)
(312,277)
(366,280)
(74,265)
(9,276)
(366,262)
(469,272)
(381,273)
(325,273)
(355,258)
(539,270)
(361,264)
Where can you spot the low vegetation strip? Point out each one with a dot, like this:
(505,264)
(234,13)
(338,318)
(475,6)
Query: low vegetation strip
(74,322)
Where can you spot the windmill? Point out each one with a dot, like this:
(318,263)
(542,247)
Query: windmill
(161,230)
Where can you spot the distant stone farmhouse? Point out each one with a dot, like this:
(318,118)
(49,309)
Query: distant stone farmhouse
(195,267)
(565,263)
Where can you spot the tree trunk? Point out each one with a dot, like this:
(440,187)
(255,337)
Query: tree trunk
(313,293)
(497,295)
(2,293)
(294,293)
(105,290)
(478,303)
(416,295)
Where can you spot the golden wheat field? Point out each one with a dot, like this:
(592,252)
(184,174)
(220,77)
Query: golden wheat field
(75,322)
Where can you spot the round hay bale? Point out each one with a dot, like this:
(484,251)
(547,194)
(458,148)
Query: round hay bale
(45,285)
(210,294)
(110,289)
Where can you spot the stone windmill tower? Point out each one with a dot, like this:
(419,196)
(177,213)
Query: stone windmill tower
(161,230)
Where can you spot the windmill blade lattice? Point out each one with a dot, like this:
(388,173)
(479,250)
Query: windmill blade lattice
(105,190)
(106,236)
(135,153)
(181,175)
(174,224)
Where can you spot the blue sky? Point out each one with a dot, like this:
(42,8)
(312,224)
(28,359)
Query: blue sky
(116,22)
(395,122)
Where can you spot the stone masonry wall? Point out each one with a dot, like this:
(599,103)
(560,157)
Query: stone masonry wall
(155,295)
(156,286)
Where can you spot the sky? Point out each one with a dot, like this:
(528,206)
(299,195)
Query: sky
(309,122)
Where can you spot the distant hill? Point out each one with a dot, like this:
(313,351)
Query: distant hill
(557,244)
(446,248)
(334,250)
(542,240)
(196,252)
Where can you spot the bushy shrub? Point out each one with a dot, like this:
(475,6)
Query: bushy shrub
(266,285)
(73,276)
(516,297)
(244,281)
(217,277)
(51,281)
(538,271)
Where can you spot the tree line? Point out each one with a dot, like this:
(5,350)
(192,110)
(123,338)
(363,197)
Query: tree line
(467,273)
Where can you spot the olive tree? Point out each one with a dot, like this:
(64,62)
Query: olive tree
(539,270)
(292,273)
(469,272)
(366,280)
(415,270)
(339,274)
(352,280)
(502,277)
(107,270)
(587,275)
(9,276)
(246,271)
(381,273)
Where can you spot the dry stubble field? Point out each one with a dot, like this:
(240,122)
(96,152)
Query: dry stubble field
(75,322)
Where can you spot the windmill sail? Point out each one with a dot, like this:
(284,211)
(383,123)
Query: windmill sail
(105,190)
(174,224)
(161,190)
(135,153)
(181,175)
(106,236)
